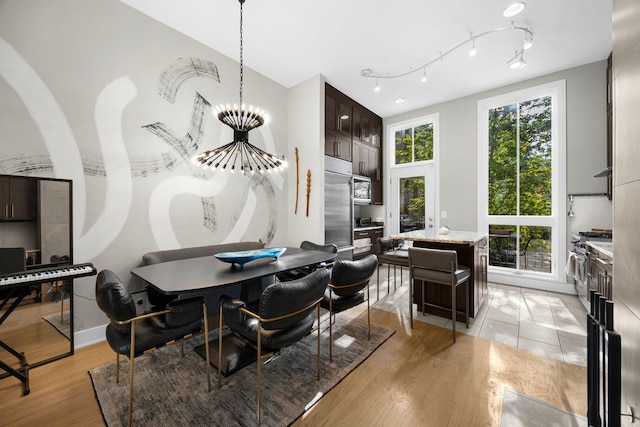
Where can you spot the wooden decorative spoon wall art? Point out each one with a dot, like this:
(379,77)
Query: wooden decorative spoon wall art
(308,188)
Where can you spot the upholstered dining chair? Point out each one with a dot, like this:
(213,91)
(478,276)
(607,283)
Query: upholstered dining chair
(441,267)
(301,272)
(346,289)
(132,335)
(282,317)
(389,254)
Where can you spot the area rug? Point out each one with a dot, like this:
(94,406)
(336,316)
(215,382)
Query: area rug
(61,326)
(170,390)
(519,410)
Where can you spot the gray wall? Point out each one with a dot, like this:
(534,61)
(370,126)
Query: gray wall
(626,195)
(82,98)
(586,143)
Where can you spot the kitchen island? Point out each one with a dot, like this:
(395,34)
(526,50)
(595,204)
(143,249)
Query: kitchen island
(471,248)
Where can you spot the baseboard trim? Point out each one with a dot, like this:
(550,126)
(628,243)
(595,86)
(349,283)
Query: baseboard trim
(89,336)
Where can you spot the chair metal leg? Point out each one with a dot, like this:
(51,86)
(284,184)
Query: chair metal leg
(394,278)
(220,350)
(411,297)
(132,354)
(423,287)
(378,282)
(467,295)
(368,314)
(388,280)
(318,342)
(117,368)
(330,327)
(259,369)
(454,289)
(206,343)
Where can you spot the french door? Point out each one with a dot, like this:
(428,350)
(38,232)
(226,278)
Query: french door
(412,198)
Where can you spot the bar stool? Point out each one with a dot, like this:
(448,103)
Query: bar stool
(388,254)
(441,267)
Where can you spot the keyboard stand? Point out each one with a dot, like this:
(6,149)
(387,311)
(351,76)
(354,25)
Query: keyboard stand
(22,373)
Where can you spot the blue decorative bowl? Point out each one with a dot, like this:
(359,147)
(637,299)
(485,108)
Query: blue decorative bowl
(243,257)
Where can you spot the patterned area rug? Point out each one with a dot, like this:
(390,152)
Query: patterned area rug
(170,390)
(519,410)
(61,325)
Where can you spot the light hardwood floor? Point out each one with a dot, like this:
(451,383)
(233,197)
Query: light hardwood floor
(418,377)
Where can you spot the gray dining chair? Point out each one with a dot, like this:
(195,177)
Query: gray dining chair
(283,316)
(132,335)
(437,266)
(388,253)
(346,290)
(299,273)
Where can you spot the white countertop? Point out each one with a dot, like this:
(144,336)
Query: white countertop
(604,247)
(461,237)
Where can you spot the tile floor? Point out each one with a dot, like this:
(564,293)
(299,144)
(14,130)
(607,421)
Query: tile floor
(546,323)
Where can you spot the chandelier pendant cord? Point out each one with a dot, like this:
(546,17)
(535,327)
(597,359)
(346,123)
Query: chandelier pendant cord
(241,52)
(241,119)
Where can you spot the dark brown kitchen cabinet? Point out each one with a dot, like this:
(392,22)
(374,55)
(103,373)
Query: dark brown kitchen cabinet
(362,122)
(337,146)
(18,199)
(337,114)
(353,133)
(338,124)
(364,241)
(367,161)
(364,159)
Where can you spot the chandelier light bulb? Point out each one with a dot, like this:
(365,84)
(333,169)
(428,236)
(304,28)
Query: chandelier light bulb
(377,88)
(527,43)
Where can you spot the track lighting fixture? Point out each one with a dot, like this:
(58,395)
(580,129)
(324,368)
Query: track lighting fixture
(517,59)
(474,50)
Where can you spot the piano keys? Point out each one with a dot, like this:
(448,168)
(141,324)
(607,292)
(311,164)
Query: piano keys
(41,275)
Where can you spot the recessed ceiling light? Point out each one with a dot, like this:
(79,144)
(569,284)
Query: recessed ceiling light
(399,100)
(513,9)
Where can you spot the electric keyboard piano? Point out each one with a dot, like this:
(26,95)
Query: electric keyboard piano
(19,283)
(31,277)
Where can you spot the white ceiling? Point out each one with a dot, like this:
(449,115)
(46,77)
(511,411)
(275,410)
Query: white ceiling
(292,40)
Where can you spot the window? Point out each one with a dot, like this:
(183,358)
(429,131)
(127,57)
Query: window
(414,144)
(413,173)
(521,152)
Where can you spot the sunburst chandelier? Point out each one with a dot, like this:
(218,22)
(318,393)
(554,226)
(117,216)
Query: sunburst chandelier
(241,119)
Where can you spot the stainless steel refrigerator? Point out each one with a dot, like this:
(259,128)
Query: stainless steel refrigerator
(338,206)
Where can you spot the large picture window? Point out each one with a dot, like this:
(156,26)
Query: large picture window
(521,152)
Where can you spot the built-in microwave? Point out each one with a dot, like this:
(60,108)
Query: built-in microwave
(361,190)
